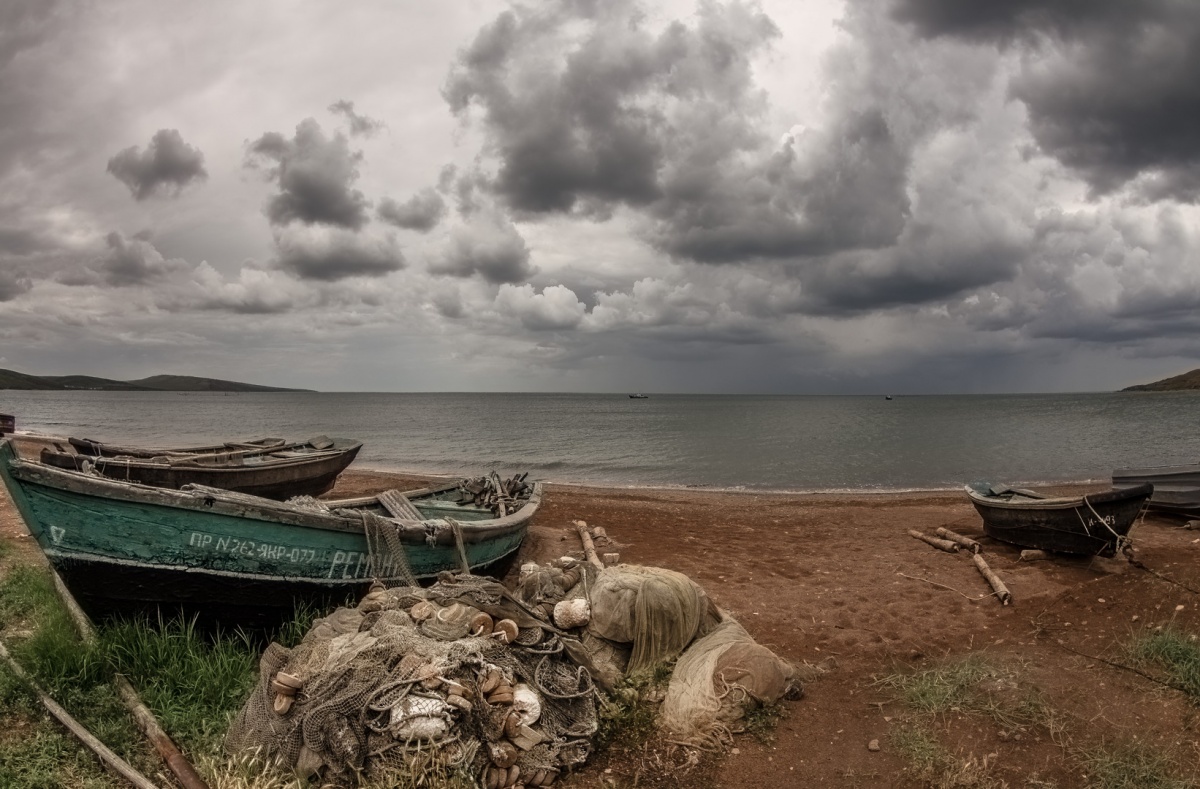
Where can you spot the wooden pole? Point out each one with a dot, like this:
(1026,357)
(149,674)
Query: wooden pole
(84,625)
(176,761)
(170,753)
(966,542)
(997,585)
(942,545)
(113,763)
(589,548)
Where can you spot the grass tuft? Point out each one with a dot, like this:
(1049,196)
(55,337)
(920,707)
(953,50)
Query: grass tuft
(1133,767)
(628,715)
(194,682)
(943,688)
(1174,650)
(762,719)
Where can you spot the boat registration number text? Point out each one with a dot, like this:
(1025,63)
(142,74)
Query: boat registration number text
(261,550)
(343,564)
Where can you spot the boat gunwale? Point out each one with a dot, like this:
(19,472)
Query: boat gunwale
(184,463)
(1060,503)
(1152,471)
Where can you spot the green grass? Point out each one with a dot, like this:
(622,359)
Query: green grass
(627,716)
(1174,650)
(193,682)
(947,687)
(935,767)
(1132,767)
(762,720)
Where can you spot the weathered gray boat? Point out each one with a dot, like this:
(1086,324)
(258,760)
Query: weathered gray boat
(1176,488)
(270,467)
(1095,524)
(121,545)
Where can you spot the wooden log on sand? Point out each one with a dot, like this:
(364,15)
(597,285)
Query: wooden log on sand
(589,547)
(1033,555)
(997,585)
(953,536)
(113,763)
(941,545)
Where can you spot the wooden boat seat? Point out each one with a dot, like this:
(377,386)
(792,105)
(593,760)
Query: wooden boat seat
(398,506)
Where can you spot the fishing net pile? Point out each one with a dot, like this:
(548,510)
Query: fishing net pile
(457,677)
(502,687)
(634,618)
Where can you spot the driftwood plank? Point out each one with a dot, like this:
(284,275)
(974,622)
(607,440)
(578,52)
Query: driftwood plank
(997,585)
(966,542)
(589,547)
(174,759)
(113,763)
(942,545)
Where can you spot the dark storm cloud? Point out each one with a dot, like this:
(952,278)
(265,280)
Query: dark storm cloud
(166,166)
(671,124)
(421,212)
(1009,19)
(853,198)
(493,249)
(359,124)
(24,24)
(315,174)
(19,242)
(335,255)
(910,274)
(1113,94)
(129,261)
(594,129)
(13,285)
(567,136)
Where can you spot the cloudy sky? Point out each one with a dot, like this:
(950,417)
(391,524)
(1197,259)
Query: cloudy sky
(792,196)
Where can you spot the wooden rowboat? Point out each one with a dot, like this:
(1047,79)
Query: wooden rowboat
(271,467)
(1176,488)
(1092,524)
(122,546)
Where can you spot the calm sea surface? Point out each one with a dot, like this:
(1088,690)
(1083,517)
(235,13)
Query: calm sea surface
(758,442)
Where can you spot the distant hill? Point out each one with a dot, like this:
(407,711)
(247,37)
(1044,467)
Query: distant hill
(10,379)
(1174,384)
(190,383)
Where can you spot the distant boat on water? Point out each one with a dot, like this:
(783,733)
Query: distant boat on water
(639,397)
(887,397)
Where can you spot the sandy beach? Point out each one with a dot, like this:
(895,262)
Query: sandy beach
(836,581)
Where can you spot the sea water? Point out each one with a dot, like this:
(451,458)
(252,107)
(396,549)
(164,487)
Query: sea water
(790,443)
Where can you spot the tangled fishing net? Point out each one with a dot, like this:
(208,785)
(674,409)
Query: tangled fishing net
(468,678)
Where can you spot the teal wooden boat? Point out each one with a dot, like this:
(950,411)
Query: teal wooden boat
(121,545)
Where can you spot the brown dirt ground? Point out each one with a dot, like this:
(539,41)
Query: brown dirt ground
(818,577)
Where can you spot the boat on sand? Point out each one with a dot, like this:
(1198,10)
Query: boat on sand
(1176,488)
(124,546)
(1094,524)
(271,467)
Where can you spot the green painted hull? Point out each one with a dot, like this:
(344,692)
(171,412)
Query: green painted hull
(115,541)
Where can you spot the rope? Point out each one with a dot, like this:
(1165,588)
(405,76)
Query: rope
(392,550)
(456,527)
(1120,542)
